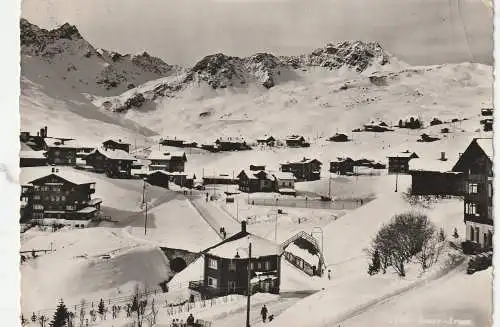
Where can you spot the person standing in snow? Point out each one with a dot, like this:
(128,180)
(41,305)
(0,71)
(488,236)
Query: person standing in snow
(190,320)
(263,313)
(329,274)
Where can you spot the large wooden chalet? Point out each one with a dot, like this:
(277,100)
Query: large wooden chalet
(116,145)
(342,166)
(167,161)
(303,170)
(266,140)
(114,162)
(226,266)
(399,162)
(477,164)
(58,195)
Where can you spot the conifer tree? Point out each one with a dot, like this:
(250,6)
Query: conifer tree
(60,316)
(100,309)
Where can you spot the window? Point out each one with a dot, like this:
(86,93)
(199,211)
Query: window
(472,233)
(490,189)
(252,265)
(267,265)
(63,198)
(470,209)
(231,285)
(259,265)
(37,207)
(232,266)
(212,263)
(473,188)
(212,282)
(36,197)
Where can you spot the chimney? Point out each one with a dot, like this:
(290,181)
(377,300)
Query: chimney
(443,156)
(243,226)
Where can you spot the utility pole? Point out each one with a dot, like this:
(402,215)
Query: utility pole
(248,283)
(146,219)
(397,173)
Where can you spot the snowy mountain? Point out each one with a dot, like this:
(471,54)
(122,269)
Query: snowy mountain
(338,87)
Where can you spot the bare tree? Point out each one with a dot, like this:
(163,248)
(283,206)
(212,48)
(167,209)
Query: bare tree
(138,305)
(407,235)
(42,320)
(82,312)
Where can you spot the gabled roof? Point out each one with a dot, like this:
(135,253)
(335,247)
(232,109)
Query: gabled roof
(119,141)
(303,161)
(476,147)
(238,244)
(57,143)
(32,154)
(166,155)
(405,154)
(29,176)
(115,154)
(295,138)
(431,164)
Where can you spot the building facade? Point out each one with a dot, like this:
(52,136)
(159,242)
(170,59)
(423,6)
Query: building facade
(116,145)
(60,151)
(115,163)
(399,162)
(58,196)
(303,170)
(171,162)
(477,162)
(227,264)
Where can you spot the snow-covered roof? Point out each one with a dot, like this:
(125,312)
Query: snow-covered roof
(114,154)
(303,161)
(294,137)
(32,154)
(486,145)
(231,139)
(287,190)
(118,141)
(57,143)
(87,210)
(283,176)
(403,154)
(165,155)
(73,176)
(260,247)
(431,164)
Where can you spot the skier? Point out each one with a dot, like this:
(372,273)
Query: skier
(263,313)
(329,274)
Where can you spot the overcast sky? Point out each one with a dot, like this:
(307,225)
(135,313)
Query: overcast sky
(183,31)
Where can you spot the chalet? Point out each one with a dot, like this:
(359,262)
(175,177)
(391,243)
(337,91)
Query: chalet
(229,264)
(255,181)
(303,170)
(32,158)
(57,195)
(339,138)
(61,151)
(116,145)
(175,142)
(167,161)
(376,127)
(159,178)
(342,166)
(477,164)
(399,162)
(284,183)
(232,144)
(266,140)
(182,179)
(114,162)
(222,179)
(435,177)
(296,141)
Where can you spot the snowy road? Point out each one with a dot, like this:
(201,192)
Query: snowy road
(214,216)
(275,307)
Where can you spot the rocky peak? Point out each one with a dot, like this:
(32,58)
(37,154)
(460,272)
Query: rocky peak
(357,55)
